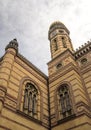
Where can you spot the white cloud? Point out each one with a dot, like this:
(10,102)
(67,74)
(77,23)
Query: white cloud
(29,21)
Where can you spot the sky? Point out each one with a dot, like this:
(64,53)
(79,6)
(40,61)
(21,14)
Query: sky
(29,20)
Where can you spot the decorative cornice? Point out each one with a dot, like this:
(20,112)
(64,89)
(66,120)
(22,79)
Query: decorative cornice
(60,55)
(13,44)
(83,50)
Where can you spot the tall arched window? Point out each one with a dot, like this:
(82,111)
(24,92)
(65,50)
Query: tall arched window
(64,100)
(64,42)
(55,45)
(30,99)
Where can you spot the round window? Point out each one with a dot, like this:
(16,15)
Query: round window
(84,60)
(59,65)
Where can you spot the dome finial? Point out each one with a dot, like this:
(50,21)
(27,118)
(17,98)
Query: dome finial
(13,44)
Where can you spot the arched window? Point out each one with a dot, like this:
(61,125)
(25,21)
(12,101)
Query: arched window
(30,99)
(64,101)
(64,42)
(55,45)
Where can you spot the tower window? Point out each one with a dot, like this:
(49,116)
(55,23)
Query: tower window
(64,42)
(61,31)
(84,61)
(59,65)
(55,45)
(30,99)
(64,101)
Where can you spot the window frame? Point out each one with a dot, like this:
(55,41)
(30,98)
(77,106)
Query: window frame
(31,107)
(66,109)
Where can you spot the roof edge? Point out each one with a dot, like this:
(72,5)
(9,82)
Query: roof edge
(32,65)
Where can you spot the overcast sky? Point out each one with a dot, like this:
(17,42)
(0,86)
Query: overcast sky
(29,21)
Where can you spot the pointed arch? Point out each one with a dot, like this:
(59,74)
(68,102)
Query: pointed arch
(55,44)
(64,42)
(64,100)
(29,100)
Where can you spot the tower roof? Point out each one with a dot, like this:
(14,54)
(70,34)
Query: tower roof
(57,25)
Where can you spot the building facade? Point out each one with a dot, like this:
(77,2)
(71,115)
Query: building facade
(30,100)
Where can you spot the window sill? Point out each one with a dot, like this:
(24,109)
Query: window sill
(29,117)
(66,119)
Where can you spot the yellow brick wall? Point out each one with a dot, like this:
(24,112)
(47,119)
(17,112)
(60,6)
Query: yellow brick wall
(80,123)
(14,121)
(16,71)
(14,74)
(68,73)
(86,72)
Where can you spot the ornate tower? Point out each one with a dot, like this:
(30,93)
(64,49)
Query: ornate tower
(59,39)
(68,95)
